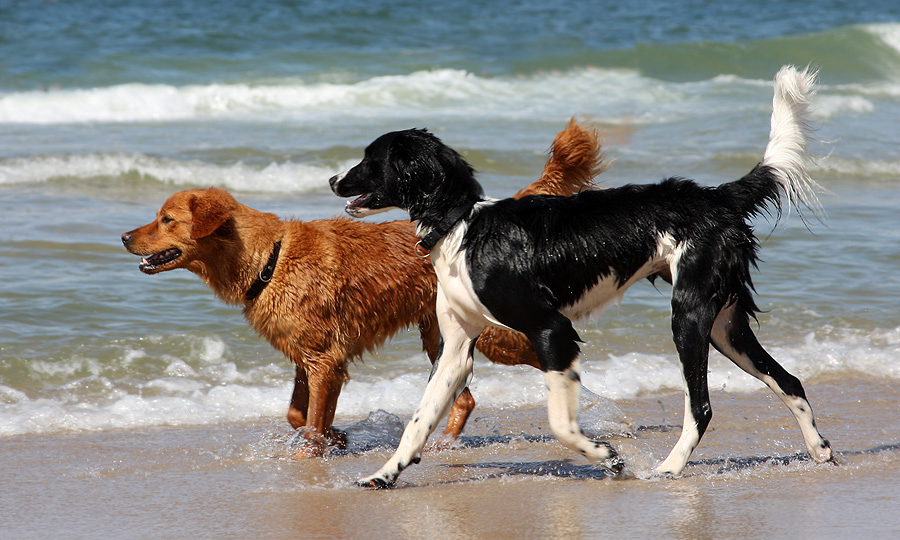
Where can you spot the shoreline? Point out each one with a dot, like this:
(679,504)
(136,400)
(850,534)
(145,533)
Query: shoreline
(748,478)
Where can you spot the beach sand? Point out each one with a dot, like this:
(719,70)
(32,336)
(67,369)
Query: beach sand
(746,480)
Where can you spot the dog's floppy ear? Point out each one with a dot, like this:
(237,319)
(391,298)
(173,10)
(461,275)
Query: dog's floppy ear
(427,169)
(414,159)
(210,209)
(425,163)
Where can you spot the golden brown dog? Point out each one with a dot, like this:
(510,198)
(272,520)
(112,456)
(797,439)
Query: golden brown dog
(324,292)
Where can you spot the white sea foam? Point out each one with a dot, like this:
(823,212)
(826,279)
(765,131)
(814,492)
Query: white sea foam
(214,405)
(274,177)
(444,92)
(861,168)
(828,106)
(889,33)
(608,96)
(208,390)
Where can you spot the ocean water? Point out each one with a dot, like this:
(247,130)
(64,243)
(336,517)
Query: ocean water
(106,109)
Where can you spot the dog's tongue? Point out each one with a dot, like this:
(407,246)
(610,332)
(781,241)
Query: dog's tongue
(358,203)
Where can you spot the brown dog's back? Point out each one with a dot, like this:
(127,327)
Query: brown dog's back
(342,288)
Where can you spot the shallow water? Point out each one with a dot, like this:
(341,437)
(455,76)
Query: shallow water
(748,479)
(129,386)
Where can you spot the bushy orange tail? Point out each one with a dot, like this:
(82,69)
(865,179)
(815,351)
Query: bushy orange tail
(576,158)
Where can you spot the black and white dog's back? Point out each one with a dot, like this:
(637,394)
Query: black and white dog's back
(536,263)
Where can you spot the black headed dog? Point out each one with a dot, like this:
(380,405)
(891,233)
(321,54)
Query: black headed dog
(533,264)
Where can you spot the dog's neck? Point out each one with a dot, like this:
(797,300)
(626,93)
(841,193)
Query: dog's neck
(431,235)
(265,275)
(235,262)
(437,205)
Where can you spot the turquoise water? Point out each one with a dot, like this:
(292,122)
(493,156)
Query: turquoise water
(105,110)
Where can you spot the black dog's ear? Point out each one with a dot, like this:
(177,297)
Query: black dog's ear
(430,176)
(457,170)
(414,159)
(422,159)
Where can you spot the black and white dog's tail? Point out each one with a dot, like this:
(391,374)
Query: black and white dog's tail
(782,170)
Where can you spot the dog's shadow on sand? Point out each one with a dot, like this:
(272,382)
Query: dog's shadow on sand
(556,468)
(567,469)
(701,467)
(382,430)
(727,465)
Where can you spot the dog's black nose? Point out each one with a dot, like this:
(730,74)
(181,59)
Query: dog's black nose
(334,180)
(126,238)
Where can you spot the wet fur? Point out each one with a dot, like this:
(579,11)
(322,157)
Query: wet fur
(340,287)
(533,264)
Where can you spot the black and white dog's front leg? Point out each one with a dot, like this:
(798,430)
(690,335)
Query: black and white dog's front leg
(452,373)
(563,390)
(556,344)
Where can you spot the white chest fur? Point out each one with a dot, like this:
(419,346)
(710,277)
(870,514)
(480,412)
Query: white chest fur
(449,262)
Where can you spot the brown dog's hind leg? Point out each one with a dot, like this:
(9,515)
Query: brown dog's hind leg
(459,414)
(507,347)
(500,346)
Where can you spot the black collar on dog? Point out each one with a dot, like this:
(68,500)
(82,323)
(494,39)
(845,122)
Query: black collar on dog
(265,275)
(444,226)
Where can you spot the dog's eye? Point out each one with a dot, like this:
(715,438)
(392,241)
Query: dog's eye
(165,220)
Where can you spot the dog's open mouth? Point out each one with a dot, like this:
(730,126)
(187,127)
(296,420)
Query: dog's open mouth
(358,204)
(154,263)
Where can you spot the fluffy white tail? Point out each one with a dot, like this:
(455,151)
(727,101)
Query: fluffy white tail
(786,152)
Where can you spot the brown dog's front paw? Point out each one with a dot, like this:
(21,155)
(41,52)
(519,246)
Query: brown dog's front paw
(309,450)
(308,443)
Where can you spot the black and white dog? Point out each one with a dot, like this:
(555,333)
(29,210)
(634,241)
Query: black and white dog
(533,264)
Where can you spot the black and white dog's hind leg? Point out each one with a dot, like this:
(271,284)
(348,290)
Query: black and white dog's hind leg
(733,337)
(727,328)
(692,320)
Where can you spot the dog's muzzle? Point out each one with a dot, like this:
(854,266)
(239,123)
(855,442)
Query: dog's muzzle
(334,180)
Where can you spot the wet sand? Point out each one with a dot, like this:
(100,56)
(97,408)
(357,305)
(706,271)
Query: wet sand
(748,479)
